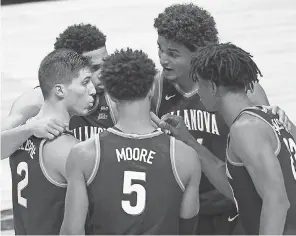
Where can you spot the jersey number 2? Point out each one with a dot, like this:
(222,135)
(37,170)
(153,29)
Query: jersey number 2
(129,188)
(22,166)
(292,148)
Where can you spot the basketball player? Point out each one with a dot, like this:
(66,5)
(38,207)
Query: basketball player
(182,29)
(132,178)
(101,116)
(261,154)
(38,166)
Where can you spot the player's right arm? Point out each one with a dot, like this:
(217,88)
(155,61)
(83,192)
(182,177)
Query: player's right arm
(213,168)
(25,107)
(13,138)
(189,171)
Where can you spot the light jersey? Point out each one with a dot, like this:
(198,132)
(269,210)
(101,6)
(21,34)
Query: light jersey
(99,120)
(208,128)
(248,200)
(135,188)
(38,200)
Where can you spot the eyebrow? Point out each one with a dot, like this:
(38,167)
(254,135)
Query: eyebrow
(96,67)
(173,49)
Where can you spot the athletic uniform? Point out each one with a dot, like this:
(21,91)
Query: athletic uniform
(209,129)
(99,120)
(134,188)
(38,200)
(248,200)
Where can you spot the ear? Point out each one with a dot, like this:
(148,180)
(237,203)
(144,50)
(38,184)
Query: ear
(113,99)
(151,91)
(215,88)
(60,90)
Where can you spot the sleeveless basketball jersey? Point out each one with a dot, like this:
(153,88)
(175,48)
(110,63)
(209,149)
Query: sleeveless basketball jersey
(208,128)
(99,120)
(247,199)
(38,200)
(135,188)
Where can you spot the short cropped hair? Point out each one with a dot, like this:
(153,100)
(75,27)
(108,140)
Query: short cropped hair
(128,75)
(60,67)
(187,24)
(225,65)
(81,38)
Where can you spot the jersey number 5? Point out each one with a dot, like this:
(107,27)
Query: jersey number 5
(129,188)
(292,148)
(22,167)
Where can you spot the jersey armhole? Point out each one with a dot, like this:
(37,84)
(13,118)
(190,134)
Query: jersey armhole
(43,167)
(173,162)
(97,160)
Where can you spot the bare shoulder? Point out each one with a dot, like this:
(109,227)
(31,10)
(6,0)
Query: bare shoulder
(248,125)
(187,161)
(249,134)
(83,155)
(55,153)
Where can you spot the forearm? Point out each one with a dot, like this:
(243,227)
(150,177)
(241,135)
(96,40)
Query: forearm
(213,168)
(12,139)
(273,215)
(71,230)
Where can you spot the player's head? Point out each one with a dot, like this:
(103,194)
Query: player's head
(182,28)
(88,40)
(220,69)
(65,77)
(128,75)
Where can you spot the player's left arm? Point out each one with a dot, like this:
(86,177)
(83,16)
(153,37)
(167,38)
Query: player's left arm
(252,140)
(258,95)
(76,203)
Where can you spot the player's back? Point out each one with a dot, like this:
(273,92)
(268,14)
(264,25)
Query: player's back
(38,201)
(135,188)
(242,184)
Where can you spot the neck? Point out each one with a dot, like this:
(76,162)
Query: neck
(186,84)
(231,104)
(54,110)
(134,117)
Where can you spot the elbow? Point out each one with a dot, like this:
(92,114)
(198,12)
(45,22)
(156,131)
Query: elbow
(279,200)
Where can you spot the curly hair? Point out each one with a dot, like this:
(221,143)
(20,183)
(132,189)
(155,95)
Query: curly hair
(225,64)
(128,75)
(81,38)
(60,66)
(187,24)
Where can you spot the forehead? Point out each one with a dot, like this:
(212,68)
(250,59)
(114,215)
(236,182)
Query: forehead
(83,73)
(97,56)
(169,43)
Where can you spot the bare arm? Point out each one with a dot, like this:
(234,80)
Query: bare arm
(258,95)
(255,149)
(13,138)
(188,168)
(76,203)
(25,107)
(213,168)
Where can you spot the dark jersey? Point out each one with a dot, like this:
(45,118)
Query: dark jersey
(99,120)
(135,188)
(208,128)
(38,200)
(248,200)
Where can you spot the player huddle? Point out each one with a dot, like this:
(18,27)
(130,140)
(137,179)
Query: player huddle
(96,159)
